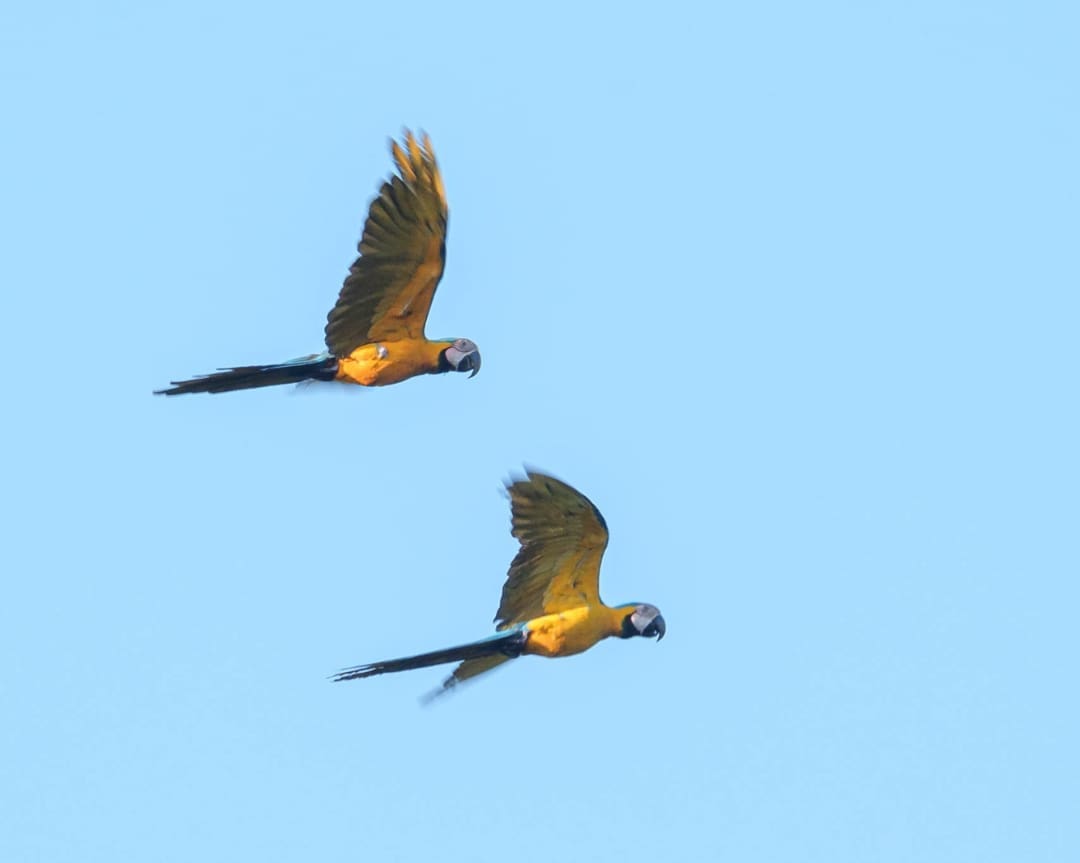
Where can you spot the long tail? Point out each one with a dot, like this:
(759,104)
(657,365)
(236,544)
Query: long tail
(320,367)
(504,644)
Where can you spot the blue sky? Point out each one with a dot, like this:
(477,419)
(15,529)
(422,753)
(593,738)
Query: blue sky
(789,292)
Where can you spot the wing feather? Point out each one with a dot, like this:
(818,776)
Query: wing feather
(563,537)
(472,667)
(388,292)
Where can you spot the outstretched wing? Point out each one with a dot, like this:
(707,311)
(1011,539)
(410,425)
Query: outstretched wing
(563,537)
(388,292)
(465,671)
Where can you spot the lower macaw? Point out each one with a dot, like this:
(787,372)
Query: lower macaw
(551,602)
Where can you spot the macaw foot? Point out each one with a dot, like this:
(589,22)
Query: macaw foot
(513,647)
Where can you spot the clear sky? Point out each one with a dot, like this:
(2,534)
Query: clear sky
(788,289)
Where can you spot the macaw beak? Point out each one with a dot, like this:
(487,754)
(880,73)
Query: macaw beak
(470,362)
(656,627)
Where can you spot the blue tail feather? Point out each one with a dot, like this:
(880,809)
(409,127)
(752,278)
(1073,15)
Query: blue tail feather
(508,643)
(319,367)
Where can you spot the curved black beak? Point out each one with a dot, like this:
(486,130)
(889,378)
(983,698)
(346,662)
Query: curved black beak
(657,627)
(470,363)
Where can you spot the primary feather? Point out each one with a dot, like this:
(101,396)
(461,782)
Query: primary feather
(388,292)
(563,537)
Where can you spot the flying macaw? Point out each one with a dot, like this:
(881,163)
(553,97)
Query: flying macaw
(375,332)
(551,602)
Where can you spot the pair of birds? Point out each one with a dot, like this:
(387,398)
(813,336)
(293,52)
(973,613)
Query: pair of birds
(550,602)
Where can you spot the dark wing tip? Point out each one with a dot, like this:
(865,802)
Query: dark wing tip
(599,516)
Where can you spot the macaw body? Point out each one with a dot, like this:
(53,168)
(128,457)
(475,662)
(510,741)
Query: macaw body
(375,331)
(550,603)
(574,630)
(381,363)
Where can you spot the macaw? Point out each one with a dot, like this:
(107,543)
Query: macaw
(375,332)
(550,602)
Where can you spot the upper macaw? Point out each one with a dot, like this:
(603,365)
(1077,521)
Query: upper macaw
(375,332)
(551,602)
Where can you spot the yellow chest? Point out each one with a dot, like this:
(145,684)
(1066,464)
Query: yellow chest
(382,363)
(569,632)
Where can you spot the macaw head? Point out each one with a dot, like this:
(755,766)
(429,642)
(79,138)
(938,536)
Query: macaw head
(644,620)
(461,356)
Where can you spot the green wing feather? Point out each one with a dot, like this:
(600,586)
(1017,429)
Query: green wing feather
(468,669)
(388,292)
(563,537)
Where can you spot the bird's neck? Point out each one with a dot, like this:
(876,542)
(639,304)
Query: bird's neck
(615,619)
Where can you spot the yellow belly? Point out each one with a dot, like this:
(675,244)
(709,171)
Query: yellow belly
(568,632)
(382,363)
